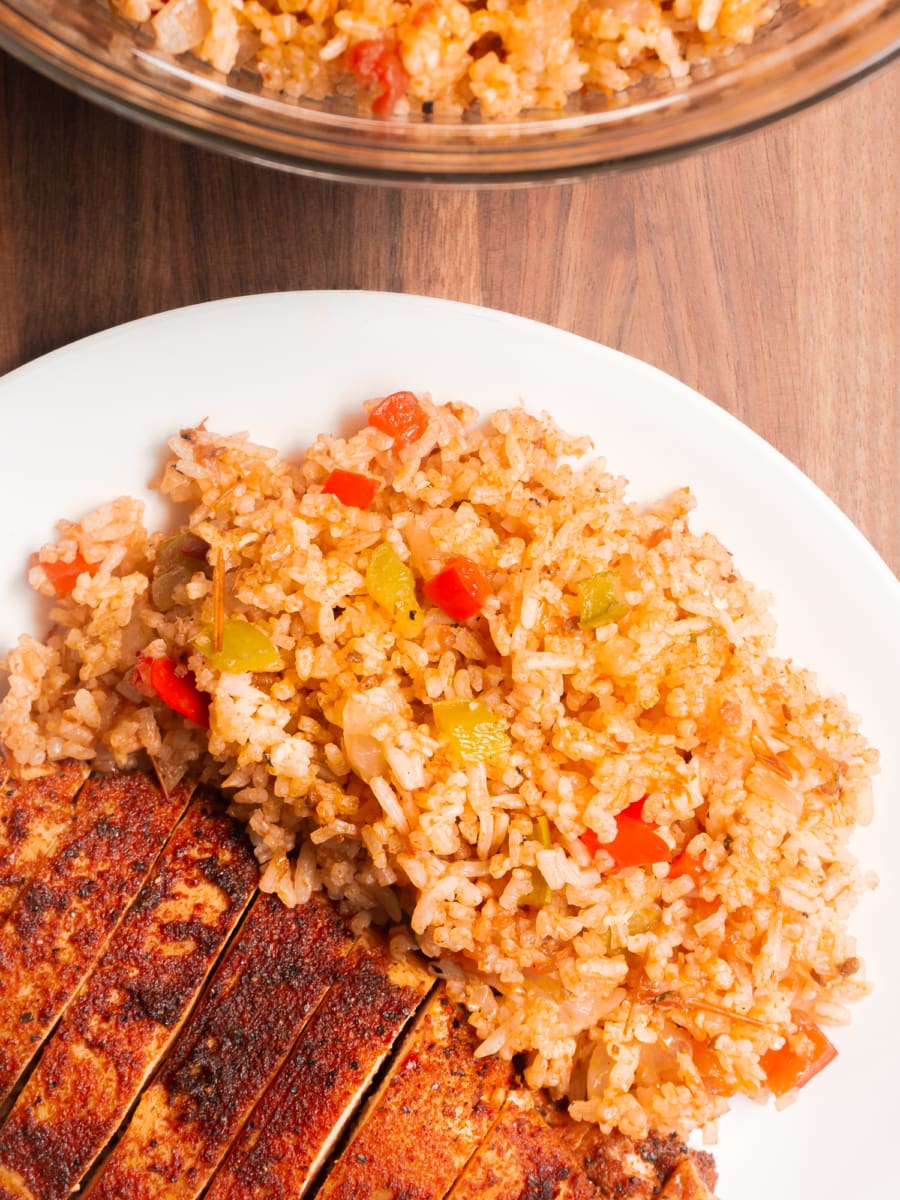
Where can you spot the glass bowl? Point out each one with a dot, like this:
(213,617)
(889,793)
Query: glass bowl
(806,53)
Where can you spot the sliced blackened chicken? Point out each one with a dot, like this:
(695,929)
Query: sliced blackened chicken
(531,1153)
(62,920)
(34,815)
(693,1179)
(284,1057)
(130,1008)
(619,1167)
(278,969)
(428,1116)
(297,1122)
(535,1151)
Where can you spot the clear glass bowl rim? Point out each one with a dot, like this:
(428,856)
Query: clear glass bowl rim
(810,54)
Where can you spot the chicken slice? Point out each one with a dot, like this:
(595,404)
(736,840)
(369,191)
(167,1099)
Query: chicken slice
(693,1179)
(34,815)
(130,1008)
(622,1169)
(531,1151)
(429,1115)
(295,1125)
(63,919)
(277,971)
(535,1150)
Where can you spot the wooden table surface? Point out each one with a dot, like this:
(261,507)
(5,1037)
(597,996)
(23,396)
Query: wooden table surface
(764,273)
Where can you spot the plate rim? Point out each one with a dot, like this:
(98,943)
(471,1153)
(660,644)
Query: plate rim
(701,407)
(697,400)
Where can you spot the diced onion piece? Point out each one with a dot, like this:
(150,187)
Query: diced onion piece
(246,45)
(361,712)
(182,24)
(709,1067)
(764,782)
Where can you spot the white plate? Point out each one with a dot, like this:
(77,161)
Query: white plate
(89,422)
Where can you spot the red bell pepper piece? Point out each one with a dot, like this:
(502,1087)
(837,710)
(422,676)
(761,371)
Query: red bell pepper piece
(64,575)
(592,842)
(175,687)
(460,589)
(356,491)
(140,676)
(636,843)
(422,13)
(803,1055)
(685,864)
(400,415)
(377,61)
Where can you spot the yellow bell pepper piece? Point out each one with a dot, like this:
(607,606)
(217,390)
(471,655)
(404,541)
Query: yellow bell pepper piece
(244,648)
(392,585)
(473,731)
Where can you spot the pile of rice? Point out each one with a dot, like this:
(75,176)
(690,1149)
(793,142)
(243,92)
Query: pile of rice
(503,56)
(646,1001)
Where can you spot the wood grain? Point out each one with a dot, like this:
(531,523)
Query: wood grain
(764,272)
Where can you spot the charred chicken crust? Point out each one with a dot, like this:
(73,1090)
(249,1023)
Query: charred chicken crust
(131,1007)
(62,920)
(291,1059)
(34,815)
(276,973)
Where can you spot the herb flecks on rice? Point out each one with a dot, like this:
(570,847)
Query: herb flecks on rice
(618,822)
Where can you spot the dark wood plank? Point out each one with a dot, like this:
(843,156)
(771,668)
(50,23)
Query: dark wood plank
(763,272)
